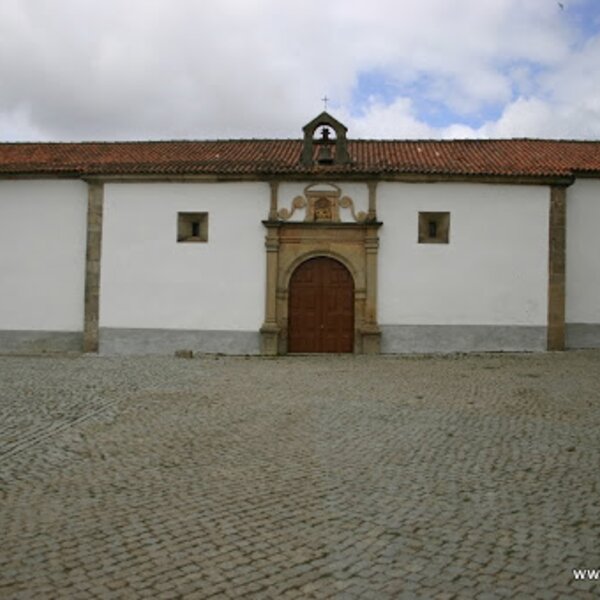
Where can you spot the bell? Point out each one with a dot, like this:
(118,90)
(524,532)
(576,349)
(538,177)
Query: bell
(324,156)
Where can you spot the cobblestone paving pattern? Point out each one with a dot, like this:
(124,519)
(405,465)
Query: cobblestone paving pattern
(300,477)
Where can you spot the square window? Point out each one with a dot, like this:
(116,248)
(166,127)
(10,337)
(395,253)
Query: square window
(434,227)
(192,227)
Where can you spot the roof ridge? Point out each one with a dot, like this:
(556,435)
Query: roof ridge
(463,140)
(298,140)
(135,142)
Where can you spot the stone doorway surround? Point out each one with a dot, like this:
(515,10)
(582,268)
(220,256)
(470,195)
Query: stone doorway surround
(290,243)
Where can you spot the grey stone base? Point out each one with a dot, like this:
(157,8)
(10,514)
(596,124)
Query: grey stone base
(583,335)
(167,341)
(397,339)
(34,342)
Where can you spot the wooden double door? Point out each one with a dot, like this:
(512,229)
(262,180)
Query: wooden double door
(321,307)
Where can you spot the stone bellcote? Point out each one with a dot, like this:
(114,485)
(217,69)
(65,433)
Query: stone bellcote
(331,151)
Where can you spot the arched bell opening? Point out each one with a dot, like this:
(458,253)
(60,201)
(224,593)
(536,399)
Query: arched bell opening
(328,149)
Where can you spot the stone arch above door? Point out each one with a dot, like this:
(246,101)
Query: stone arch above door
(357,276)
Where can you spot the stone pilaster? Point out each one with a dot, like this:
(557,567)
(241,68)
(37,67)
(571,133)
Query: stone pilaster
(371,333)
(372,214)
(270,329)
(92,267)
(556,268)
(274,185)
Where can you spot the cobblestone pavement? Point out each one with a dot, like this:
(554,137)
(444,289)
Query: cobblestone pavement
(300,477)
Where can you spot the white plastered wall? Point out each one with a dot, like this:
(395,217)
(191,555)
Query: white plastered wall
(42,254)
(494,271)
(583,252)
(149,280)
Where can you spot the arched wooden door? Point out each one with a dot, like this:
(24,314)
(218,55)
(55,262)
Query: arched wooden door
(321,307)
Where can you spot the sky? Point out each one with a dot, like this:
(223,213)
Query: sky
(74,70)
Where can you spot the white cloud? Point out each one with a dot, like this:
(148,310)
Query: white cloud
(81,69)
(525,117)
(386,121)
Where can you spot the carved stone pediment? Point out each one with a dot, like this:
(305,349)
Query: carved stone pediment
(322,203)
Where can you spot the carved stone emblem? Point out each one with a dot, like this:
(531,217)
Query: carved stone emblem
(323,209)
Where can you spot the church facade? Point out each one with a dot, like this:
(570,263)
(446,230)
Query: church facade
(320,244)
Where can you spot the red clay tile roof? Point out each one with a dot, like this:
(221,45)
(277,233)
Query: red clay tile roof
(516,157)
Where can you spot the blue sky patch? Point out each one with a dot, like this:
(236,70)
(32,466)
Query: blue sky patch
(428,92)
(379,87)
(373,85)
(584,16)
